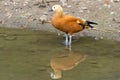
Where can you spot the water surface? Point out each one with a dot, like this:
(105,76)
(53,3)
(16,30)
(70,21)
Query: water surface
(26,55)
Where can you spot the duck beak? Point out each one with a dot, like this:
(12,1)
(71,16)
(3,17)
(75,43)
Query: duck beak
(50,10)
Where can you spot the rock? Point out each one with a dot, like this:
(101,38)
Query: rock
(84,8)
(0,21)
(44,19)
(116,0)
(69,6)
(117,20)
(96,38)
(45,13)
(42,6)
(111,13)
(64,2)
(26,15)
(10,38)
(81,11)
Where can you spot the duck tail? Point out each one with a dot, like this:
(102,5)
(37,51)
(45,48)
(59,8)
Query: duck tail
(90,22)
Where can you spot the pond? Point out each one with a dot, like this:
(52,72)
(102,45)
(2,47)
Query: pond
(27,54)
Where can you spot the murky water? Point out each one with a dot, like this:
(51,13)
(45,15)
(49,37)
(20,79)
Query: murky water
(33,55)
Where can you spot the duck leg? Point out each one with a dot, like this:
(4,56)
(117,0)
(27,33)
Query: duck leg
(66,39)
(70,42)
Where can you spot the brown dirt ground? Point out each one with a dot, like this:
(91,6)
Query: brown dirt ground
(26,13)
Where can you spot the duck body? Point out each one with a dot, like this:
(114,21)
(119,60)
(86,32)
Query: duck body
(67,24)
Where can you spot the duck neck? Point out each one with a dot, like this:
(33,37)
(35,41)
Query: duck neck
(59,13)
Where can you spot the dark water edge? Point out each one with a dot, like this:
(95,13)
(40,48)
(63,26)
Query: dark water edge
(25,54)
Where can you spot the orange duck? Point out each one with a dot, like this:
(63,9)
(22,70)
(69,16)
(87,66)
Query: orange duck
(68,24)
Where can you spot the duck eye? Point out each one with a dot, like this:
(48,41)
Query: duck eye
(54,7)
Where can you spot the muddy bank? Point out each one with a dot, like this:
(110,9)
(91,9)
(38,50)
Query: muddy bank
(27,13)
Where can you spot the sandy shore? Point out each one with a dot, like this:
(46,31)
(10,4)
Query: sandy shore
(27,13)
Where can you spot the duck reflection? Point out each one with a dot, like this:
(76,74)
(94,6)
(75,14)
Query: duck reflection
(65,62)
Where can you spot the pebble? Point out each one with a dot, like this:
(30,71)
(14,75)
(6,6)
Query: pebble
(81,11)
(64,2)
(45,13)
(117,20)
(111,13)
(84,8)
(43,19)
(96,38)
(69,6)
(10,38)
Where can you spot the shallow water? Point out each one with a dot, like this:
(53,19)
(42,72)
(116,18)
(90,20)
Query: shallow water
(27,55)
